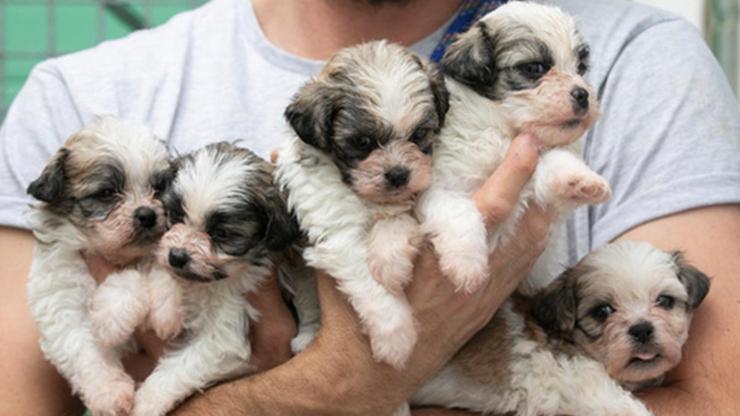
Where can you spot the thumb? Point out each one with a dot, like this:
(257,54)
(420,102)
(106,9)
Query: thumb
(499,194)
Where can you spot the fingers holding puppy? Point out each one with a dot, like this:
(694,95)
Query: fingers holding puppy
(499,194)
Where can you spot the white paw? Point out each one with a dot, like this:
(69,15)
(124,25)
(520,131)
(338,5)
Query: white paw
(148,405)
(114,398)
(304,337)
(394,342)
(582,188)
(463,258)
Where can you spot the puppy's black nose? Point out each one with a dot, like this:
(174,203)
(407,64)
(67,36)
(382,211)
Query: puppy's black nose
(397,176)
(145,217)
(580,100)
(178,258)
(642,332)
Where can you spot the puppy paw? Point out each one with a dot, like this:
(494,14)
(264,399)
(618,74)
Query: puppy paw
(166,319)
(115,398)
(114,321)
(146,405)
(583,188)
(394,342)
(463,258)
(304,337)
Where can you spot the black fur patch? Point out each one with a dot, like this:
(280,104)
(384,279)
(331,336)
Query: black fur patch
(696,282)
(473,61)
(50,186)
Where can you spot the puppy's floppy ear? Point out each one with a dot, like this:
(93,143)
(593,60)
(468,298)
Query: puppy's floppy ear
(696,282)
(311,113)
(555,308)
(439,89)
(49,187)
(471,59)
(282,228)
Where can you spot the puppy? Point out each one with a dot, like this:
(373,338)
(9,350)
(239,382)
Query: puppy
(615,322)
(100,195)
(519,69)
(227,225)
(365,127)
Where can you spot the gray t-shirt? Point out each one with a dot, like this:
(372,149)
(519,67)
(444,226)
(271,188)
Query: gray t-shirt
(668,139)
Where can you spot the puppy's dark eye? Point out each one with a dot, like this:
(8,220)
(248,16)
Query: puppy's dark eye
(666,302)
(362,142)
(104,195)
(601,312)
(421,138)
(534,69)
(221,234)
(582,68)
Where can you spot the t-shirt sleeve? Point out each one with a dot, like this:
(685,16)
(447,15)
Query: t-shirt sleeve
(669,136)
(42,116)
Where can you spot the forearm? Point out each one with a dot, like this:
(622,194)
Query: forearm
(312,383)
(688,400)
(27,376)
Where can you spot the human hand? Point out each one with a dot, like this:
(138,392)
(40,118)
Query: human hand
(446,318)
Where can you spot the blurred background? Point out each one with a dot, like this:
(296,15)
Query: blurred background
(33,30)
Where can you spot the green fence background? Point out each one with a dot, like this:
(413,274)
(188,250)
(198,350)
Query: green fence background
(33,30)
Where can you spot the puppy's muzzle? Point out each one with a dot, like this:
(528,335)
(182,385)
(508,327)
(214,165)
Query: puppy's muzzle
(397,177)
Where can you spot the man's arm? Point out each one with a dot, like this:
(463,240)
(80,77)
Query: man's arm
(705,383)
(31,386)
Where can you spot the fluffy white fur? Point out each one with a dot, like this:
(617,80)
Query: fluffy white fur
(215,342)
(84,328)
(336,222)
(478,131)
(360,228)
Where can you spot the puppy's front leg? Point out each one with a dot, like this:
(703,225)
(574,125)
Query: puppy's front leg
(306,302)
(118,306)
(563,181)
(59,289)
(393,244)
(456,228)
(166,312)
(387,318)
(216,352)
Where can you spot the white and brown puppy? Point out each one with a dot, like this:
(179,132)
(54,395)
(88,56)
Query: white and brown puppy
(364,131)
(227,225)
(519,69)
(615,322)
(100,195)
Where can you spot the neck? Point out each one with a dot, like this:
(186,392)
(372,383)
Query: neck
(319,28)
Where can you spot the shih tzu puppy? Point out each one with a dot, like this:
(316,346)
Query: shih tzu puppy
(227,225)
(615,322)
(100,195)
(519,69)
(364,130)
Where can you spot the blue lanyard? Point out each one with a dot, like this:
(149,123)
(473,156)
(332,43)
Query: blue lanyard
(470,12)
